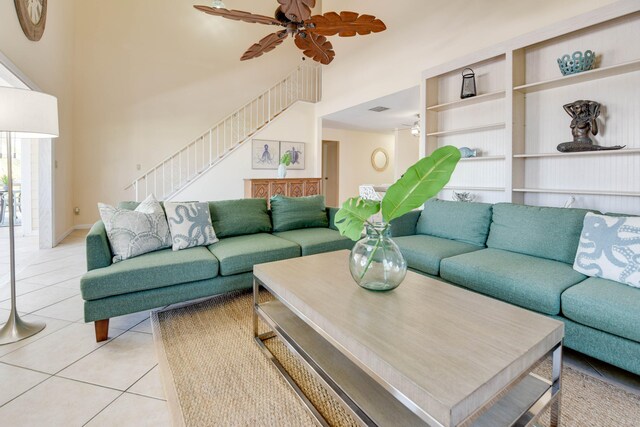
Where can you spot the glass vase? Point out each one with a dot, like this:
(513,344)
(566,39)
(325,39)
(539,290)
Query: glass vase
(376,262)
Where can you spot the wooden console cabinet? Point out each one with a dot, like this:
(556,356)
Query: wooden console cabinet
(261,188)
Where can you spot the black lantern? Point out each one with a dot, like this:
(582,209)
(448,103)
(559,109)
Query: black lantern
(468,83)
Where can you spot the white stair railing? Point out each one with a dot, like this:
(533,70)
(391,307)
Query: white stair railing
(186,165)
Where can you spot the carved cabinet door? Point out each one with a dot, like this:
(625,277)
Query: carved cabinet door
(312,188)
(278,188)
(295,189)
(260,190)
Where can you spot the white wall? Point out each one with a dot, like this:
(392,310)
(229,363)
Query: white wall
(226,181)
(356,148)
(406,151)
(422,34)
(49,64)
(151,76)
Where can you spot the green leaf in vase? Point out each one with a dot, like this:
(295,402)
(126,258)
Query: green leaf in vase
(353,214)
(420,182)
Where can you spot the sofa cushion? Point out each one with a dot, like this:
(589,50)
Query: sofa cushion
(292,213)
(530,282)
(551,233)
(605,305)
(424,253)
(317,240)
(240,253)
(240,217)
(461,221)
(149,271)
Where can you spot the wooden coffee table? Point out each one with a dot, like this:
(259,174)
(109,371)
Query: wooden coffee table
(426,353)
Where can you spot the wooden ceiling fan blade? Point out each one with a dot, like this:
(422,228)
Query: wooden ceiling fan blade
(297,10)
(266,44)
(345,24)
(316,47)
(238,15)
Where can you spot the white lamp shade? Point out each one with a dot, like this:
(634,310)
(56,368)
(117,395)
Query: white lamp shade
(28,114)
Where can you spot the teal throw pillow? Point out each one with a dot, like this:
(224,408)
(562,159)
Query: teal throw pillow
(190,225)
(610,248)
(292,213)
(240,217)
(466,222)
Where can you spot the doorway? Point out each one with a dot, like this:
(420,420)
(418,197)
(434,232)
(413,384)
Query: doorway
(331,172)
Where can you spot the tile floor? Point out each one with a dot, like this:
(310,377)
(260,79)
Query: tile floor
(62,377)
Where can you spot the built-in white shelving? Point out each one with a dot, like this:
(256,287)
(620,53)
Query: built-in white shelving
(481,158)
(585,192)
(465,188)
(468,101)
(468,129)
(598,73)
(522,94)
(624,151)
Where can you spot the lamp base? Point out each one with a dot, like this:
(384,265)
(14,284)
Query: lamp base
(17,329)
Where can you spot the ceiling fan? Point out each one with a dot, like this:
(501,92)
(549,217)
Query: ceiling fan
(308,31)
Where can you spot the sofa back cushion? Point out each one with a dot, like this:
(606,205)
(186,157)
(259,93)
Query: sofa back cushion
(551,233)
(240,217)
(461,221)
(292,213)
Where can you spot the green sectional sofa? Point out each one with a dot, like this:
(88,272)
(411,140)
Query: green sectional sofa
(524,255)
(247,237)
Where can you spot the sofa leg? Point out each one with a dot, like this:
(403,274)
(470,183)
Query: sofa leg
(102,329)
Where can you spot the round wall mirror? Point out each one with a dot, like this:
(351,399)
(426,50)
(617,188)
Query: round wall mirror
(379,159)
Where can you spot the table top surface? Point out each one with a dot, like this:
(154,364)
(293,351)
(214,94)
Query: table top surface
(446,349)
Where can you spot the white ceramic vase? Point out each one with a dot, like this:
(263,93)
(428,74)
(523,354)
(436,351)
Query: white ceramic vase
(282,171)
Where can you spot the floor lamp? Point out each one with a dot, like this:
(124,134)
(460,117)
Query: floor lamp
(30,115)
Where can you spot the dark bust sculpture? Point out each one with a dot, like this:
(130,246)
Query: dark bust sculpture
(583,114)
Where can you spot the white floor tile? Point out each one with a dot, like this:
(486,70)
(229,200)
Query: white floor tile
(70,284)
(22,288)
(58,350)
(39,299)
(143,327)
(57,402)
(16,381)
(51,278)
(53,325)
(128,321)
(150,385)
(71,309)
(134,411)
(119,364)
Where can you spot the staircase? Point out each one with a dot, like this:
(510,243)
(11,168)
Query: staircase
(187,164)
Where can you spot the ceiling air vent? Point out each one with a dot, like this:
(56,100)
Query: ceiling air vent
(378,109)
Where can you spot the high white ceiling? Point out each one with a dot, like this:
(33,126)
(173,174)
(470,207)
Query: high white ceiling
(403,107)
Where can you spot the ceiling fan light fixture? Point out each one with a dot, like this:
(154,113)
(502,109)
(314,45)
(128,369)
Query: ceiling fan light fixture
(218,4)
(415,129)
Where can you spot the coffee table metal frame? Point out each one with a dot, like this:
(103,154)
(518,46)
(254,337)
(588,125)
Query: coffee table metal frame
(549,398)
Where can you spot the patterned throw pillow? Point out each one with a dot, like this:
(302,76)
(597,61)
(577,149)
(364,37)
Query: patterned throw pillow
(135,232)
(610,248)
(190,225)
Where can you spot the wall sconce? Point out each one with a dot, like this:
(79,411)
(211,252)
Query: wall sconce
(468,84)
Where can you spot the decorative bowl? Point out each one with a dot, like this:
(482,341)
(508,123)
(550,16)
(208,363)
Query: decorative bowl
(577,62)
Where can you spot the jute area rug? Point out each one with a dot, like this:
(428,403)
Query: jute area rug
(214,374)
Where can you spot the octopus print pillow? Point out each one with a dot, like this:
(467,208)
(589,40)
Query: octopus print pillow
(190,225)
(135,232)
(610,248)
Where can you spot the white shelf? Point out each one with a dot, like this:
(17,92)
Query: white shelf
(480,158)
(581,153)
(469,129)
(474,188)
(598,73)
(585,192)
(468,101)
